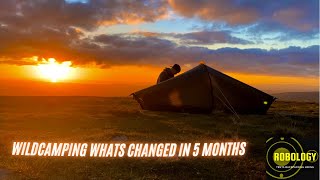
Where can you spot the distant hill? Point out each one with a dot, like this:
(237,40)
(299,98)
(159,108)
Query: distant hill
(298,96)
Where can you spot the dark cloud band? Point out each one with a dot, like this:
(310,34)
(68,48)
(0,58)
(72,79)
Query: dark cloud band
(55,28)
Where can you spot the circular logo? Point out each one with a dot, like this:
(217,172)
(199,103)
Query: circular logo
(285,157)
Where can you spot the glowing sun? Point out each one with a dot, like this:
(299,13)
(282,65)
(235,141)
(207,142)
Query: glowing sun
(54,71)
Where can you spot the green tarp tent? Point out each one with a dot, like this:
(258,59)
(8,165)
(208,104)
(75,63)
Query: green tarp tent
(204,90)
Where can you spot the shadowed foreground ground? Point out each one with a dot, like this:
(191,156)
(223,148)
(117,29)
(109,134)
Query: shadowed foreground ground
(96,119)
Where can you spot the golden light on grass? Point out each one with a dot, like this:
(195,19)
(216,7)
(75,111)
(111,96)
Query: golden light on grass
(52,70)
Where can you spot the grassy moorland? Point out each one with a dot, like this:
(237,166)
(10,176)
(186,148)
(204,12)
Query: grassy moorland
(97,119)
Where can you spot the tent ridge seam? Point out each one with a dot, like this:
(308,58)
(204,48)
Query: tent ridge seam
(211,88)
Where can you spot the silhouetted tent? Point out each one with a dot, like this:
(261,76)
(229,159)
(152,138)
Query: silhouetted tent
(203,90)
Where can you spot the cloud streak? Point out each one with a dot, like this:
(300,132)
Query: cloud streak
(289,13)
(108,50)
(60,14)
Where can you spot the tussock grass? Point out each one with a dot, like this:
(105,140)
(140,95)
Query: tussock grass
(97,119)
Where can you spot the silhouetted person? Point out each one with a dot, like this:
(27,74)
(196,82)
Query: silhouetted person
(168,73)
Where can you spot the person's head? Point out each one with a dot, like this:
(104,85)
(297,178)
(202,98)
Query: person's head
(175,69)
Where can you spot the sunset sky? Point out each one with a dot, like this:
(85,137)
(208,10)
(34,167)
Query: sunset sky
(114,47)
